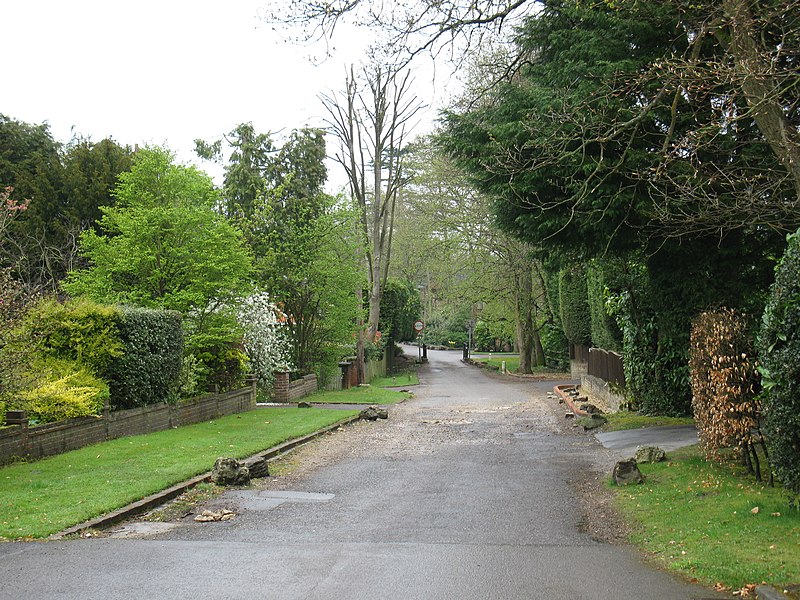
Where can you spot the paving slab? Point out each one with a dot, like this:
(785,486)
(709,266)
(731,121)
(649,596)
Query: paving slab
(670,437)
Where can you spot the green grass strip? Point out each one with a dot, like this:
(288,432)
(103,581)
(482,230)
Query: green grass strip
(713,523)
(398,380)
(619,421)
(43,497)
(360,395)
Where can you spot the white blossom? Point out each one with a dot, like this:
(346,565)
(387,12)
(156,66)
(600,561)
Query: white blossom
(265,337)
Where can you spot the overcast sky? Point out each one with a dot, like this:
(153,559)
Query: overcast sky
(163,72)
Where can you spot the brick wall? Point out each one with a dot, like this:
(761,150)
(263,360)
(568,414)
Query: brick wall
(284,391)
(55,438)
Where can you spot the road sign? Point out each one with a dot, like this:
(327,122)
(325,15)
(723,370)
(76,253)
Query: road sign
(419,326)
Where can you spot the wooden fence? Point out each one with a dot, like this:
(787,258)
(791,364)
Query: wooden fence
(607,366)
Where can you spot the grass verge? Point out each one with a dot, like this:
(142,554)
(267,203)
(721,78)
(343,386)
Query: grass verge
(43,497)
(632,420)
(360,395)
(712,523)
(398,380)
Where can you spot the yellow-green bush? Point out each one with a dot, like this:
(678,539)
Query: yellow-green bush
(62,391)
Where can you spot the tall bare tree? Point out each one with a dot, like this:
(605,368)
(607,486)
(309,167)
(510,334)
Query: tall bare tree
(371,119)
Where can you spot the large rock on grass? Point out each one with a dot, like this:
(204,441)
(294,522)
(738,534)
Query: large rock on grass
(650,454)
(626,472)
(229,471)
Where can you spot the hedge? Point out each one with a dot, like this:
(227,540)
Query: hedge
(779,353)
(149,370)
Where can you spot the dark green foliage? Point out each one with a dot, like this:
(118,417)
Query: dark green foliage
(218,349)
(148,371)
(573,303)
(779,353)
(556,347)
(494,336)
(447,328)
(605,331)
(400,307)
(66,187)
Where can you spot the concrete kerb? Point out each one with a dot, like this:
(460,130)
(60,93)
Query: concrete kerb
(163,496)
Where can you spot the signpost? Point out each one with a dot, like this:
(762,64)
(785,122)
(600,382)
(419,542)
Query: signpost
(419,325)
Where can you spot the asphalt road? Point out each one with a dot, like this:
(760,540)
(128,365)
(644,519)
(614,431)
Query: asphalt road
(463,493)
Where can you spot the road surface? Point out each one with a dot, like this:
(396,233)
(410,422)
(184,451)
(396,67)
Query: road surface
(464,493)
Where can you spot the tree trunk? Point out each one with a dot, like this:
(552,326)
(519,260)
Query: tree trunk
(525,322)
(760,87)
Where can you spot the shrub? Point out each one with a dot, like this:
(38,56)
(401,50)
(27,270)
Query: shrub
(78,330)
(150,369)
(62,390)
(724,382)
(218,350)
(779,354)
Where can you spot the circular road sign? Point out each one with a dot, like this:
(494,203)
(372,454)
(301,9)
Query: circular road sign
(419,326)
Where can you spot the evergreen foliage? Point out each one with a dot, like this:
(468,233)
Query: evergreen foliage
(400,307)
(574,305)
(779,354)
(148,371)
(605,331)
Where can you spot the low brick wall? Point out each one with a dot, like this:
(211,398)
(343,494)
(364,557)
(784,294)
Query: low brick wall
(284,391)
(55,438)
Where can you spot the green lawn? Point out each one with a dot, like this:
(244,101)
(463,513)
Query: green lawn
(49,495)
(714,524)
(511,360)
(398,380)
(359,395)
(632,420)
(496,361)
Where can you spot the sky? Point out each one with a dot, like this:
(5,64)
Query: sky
(167,72)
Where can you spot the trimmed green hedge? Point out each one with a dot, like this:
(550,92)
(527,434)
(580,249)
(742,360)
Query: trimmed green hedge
(779,353)
(604,329)
(64,357)
(149,370)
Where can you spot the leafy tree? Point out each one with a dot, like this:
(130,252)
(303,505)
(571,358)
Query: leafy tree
(400,308)
(371,119)
(65,186)
(164,246)
(303,240)
(245,171)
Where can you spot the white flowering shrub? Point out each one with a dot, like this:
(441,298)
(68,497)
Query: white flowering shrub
(265,337)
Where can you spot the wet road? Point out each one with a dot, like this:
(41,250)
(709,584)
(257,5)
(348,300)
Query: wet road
(463,493)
